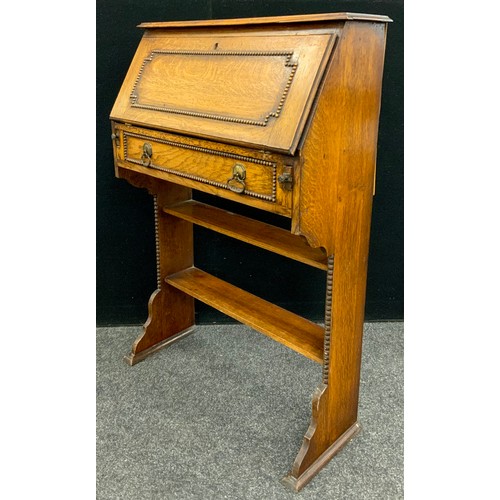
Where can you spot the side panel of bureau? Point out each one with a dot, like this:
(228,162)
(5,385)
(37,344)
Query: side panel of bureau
(333,211)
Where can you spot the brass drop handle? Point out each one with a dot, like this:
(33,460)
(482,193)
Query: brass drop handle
(237,182)
(147,153)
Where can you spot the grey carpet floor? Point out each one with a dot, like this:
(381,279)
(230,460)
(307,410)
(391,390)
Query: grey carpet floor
(221,415)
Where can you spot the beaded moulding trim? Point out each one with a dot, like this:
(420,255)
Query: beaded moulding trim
(328,319)
(157,242)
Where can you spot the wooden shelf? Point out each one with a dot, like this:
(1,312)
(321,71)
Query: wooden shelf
(250,231)
(292,330)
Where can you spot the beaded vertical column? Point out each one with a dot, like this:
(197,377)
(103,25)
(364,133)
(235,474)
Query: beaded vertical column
(328,319)
(157,242)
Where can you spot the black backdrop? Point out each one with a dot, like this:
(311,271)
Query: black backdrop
(126,272)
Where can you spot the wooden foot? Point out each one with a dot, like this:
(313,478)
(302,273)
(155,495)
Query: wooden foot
(163,327)
(297,483)
(133,359)
(303,469)
(170,311)
(335,401)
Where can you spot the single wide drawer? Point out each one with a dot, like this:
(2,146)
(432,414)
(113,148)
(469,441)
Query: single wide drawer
(216,168)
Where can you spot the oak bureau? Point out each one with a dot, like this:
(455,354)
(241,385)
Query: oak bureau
(279,113)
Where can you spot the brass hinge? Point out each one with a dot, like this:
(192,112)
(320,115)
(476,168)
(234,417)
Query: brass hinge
(286,179)
(116,139)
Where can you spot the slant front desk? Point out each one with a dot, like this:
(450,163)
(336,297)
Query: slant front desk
(279,113)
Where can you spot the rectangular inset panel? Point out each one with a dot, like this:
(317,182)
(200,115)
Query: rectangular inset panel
(249,90)
(210,84)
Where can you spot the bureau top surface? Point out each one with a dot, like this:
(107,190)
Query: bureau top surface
(331,16)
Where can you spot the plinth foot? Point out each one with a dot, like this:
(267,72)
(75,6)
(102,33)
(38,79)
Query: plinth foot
(132,359)
(297,483)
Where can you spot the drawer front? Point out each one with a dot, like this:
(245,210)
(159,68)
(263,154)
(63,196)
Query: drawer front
(218,169)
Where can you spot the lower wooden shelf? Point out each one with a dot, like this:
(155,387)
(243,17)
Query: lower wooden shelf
(288,328)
